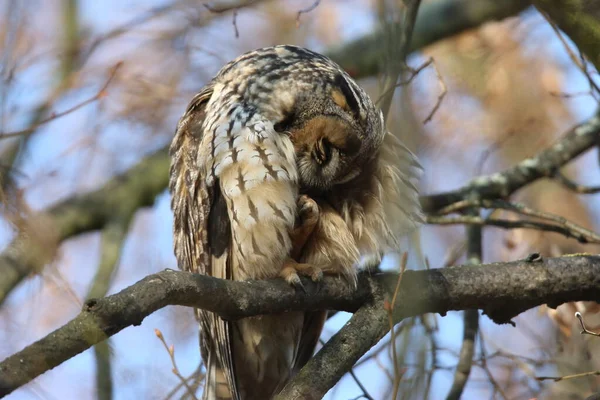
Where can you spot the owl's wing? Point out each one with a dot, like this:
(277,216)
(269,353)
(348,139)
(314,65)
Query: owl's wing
(234,191)
(190,196)
(309,338)
(201,237)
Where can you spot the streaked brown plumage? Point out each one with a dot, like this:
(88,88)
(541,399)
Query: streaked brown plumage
(272,125)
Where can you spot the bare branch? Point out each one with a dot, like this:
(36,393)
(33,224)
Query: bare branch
(570,229)
(119,198)
(369,324)
(502,184)
(113,236)
(457,15)
(501,290)
(580,62)
(562,378)
(99,94)
(175,369)
(306,10)
(511,224)
(441,96)
(579,20)
(575,187)
(584,330)
(470,320)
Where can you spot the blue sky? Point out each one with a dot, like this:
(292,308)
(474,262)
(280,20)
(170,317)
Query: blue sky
(141,366)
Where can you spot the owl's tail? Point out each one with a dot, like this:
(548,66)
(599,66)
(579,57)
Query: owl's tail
(215,383)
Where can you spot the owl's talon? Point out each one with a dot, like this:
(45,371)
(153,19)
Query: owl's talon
(300,286)
(293,269)
(314,273)
(317,275)
(292,278)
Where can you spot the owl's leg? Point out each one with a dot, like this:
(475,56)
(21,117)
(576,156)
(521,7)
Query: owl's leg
(308,216)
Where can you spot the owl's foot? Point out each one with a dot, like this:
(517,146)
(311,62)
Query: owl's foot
(308,211)
(308,216)
(292,270)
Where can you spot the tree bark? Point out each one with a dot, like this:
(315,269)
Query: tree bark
(501,290)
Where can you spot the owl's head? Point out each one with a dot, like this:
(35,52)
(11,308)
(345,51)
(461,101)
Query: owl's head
(336,132)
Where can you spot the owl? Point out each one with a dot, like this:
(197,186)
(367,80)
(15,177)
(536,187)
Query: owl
(281,166)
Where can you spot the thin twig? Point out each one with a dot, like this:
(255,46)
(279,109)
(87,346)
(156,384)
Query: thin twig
(395,70)
(562,378)
(484,366)
(470,318)
(228,6)
(306,11)
(390,309)
(580,62)
(564,95)
(441,96)
(510,224)
(575,187)
(559,224)
(193,376)
(453,254)
(171,350)
(100,94)
(430,329)
(414,72)
(234,22)
(365,394)
(494,147)
(584,330)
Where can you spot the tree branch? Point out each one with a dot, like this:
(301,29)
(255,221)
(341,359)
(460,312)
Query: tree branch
(113,237)
(580,20)
(437,20)
(544,165)
(470,319)
(501,290)
(120,198)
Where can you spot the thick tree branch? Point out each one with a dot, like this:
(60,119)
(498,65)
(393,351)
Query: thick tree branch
(437,20)
(501,290)
(580,20)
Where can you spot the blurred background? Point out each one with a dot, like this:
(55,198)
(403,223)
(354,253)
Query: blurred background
(90,89)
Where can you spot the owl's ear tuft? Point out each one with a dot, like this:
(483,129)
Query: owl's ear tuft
(346,98)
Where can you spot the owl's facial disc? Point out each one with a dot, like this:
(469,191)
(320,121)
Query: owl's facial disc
(326,150)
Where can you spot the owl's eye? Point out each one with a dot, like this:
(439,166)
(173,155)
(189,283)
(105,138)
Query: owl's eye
(322,151)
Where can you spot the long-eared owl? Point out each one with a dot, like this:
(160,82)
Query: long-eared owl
(281,166)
